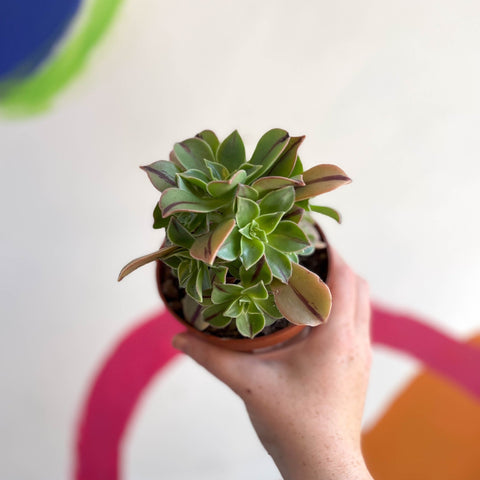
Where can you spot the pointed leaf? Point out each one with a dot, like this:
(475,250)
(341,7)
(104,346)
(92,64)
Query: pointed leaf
(176,200)
(247,210)
(329,212)
(269,307)
(217,170)
(305,300)
(250,251)
(162,174)
(215,317)
(278,201)
(225,292)
(178,234)
(266,184)
(158,220)
(194,285)
(205,247)
(247,192)
(217,188)
(259,272)
(209,137)
(195,178)
(234,309)
(297,168)
(231,152)
(288,237)
(321,179)
(230,250)
(286,161)
(279,263)
(256,292)
(268,150)
(295,214)
(151,257)
(249,324)
(268,222)
(192,152)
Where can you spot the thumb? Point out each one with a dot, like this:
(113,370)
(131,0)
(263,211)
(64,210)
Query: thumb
(228,366)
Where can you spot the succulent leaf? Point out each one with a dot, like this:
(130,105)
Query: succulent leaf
(288,237)
(251,250)
(286,161)
(209,137)
(175,200)
(259,272)
(249,324)
(247,210)
(195,178)
(279,263)
(178,234)
(206,246)
(246,191)
(217,170)
(231,152)
(158,220)
(162,174)
(329,212)
(266,184)
(268,150)
(151,257)
(217,188)
(268,223)
(280,200)
(256,292)
(192,152)
(230,250)
(214,316)
(321,179)
(225,292)
(305,300)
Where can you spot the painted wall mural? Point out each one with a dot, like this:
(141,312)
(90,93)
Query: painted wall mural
(431,430)
(44,46)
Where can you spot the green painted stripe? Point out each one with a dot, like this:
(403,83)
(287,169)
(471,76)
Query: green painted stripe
(36,93)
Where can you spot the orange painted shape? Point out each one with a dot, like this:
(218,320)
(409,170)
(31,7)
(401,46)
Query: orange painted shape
(431,431)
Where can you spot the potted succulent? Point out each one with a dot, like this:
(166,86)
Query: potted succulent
(243,263)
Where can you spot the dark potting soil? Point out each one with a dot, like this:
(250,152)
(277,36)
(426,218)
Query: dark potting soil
(173,293)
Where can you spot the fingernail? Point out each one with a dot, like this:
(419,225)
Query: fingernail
(179,342)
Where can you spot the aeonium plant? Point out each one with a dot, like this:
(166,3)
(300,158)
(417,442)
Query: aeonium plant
(237,230)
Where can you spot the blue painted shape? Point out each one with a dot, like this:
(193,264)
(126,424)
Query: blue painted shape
(29,30)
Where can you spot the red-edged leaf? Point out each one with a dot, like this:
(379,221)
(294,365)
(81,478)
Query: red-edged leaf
(217,188)
(286,161)
(231,152)
(279,264)
(177,200)
(205,248)
(305,299)
(162,174)
(266,184)
(209,137)
(192,152)
(329,212)
(267,151)
(321,179)
(288,237)
(151,257)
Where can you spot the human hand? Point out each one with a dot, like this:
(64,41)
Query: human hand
(306,400)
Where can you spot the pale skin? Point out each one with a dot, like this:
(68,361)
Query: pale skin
(306,400)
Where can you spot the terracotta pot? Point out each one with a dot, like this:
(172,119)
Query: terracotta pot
(240,344)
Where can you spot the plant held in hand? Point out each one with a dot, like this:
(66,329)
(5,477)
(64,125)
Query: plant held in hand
(237,230)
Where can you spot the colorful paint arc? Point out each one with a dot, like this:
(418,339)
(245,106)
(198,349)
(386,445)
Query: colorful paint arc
(144,351)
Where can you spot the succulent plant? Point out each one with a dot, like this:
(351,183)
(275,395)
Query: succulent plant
(236,230)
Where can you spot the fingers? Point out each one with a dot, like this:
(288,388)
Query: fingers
(228,366)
